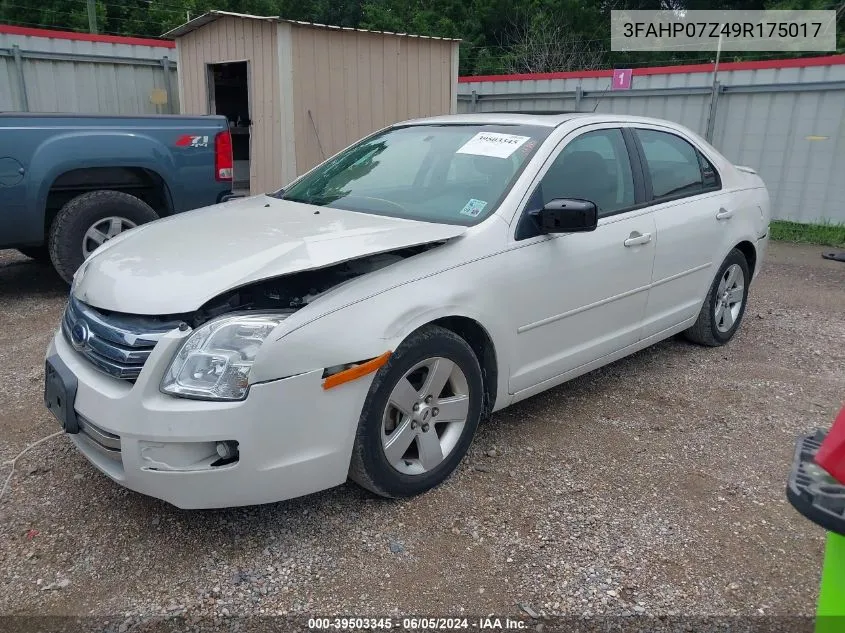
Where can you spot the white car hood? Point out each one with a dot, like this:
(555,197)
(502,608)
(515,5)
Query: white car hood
(177,264)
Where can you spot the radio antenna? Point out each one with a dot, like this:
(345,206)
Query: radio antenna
(599,98)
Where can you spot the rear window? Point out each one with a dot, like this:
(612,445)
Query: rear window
(675,166)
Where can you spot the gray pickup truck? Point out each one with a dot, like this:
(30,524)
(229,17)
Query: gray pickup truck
(70,182)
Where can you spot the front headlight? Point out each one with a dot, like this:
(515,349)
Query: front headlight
(214,363)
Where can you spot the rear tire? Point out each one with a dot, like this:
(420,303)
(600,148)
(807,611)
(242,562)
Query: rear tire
(438,433)
(724,306)
(81,215)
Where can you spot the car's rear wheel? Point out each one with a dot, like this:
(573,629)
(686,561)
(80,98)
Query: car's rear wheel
(420,415)
(724,307)
(89,220)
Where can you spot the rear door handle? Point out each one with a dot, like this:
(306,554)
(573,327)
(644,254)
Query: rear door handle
(637,238)
(724,214)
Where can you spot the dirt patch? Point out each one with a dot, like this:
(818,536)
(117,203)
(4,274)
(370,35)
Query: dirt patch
(654,485)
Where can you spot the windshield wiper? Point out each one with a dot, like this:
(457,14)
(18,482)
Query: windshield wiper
(317,201)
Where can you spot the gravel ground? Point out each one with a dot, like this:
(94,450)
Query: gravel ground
(654,485)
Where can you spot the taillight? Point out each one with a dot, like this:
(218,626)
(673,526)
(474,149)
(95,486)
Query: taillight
(223,156)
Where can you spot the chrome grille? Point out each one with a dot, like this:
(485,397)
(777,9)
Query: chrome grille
(117,344)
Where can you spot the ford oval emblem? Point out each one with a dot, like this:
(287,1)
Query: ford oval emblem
(79,335)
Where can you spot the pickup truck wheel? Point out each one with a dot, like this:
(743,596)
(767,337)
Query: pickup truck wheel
(90,220)
(420,415)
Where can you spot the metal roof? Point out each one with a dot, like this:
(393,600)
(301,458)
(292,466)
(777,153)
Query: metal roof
(212,16)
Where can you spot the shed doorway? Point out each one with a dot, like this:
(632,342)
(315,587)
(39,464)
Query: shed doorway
(228,94)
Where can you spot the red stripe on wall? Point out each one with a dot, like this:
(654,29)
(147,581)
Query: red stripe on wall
(802,62)
(85,37)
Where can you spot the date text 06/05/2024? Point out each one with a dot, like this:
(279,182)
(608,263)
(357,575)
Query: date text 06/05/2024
(417,623)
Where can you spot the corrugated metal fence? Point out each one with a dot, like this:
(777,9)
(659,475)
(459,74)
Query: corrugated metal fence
(46,71)
(786,118)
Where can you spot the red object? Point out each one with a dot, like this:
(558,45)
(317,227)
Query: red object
(223,156)
(84,37)
(831,455)
(621,79)
(763,64)
(184,141)
(31,534)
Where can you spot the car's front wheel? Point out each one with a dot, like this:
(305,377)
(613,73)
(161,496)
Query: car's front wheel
(419,416)
(724,305)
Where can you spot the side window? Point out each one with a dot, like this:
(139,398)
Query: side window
(594,167)
(676,167)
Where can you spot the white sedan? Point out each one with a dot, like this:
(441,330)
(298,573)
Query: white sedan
(360,322)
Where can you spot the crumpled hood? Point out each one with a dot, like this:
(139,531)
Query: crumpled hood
(176,264)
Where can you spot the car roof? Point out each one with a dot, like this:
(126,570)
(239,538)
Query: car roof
(534,118)
(507,118)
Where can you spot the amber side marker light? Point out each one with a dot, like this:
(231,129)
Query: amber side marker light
(353,373)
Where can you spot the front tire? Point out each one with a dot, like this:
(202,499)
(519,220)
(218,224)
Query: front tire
(420,415)
(724,307)
(88,221)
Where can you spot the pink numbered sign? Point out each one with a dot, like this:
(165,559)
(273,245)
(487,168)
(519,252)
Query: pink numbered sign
(621,79)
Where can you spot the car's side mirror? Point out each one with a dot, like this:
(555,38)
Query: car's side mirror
(565,215)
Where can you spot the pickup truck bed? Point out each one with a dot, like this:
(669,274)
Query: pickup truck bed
(70,182)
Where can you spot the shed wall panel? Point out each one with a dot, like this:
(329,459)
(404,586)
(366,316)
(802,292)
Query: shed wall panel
(347,84)
(233,39)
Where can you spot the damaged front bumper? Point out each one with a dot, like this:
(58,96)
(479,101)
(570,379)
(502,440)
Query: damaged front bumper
(292,436)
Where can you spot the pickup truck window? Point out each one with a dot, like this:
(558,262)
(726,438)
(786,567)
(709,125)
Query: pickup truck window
(451,174)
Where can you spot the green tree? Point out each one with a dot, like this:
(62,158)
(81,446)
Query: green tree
(497,36)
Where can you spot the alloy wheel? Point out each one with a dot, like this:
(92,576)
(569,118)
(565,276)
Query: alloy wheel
(102,231)
(729,297)
(425,416)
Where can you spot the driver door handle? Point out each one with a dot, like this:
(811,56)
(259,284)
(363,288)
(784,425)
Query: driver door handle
(636,238)
(724,214)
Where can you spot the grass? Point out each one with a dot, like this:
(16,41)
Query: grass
(823,234)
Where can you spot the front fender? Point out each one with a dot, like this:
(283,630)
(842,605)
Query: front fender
(370,327)
(91,148)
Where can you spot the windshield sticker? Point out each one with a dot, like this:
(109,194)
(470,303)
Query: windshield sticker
(473,208)
(493,144)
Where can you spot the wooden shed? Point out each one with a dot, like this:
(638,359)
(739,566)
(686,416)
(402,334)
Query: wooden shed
(297,92)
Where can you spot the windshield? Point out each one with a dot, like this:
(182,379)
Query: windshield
(451,174)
